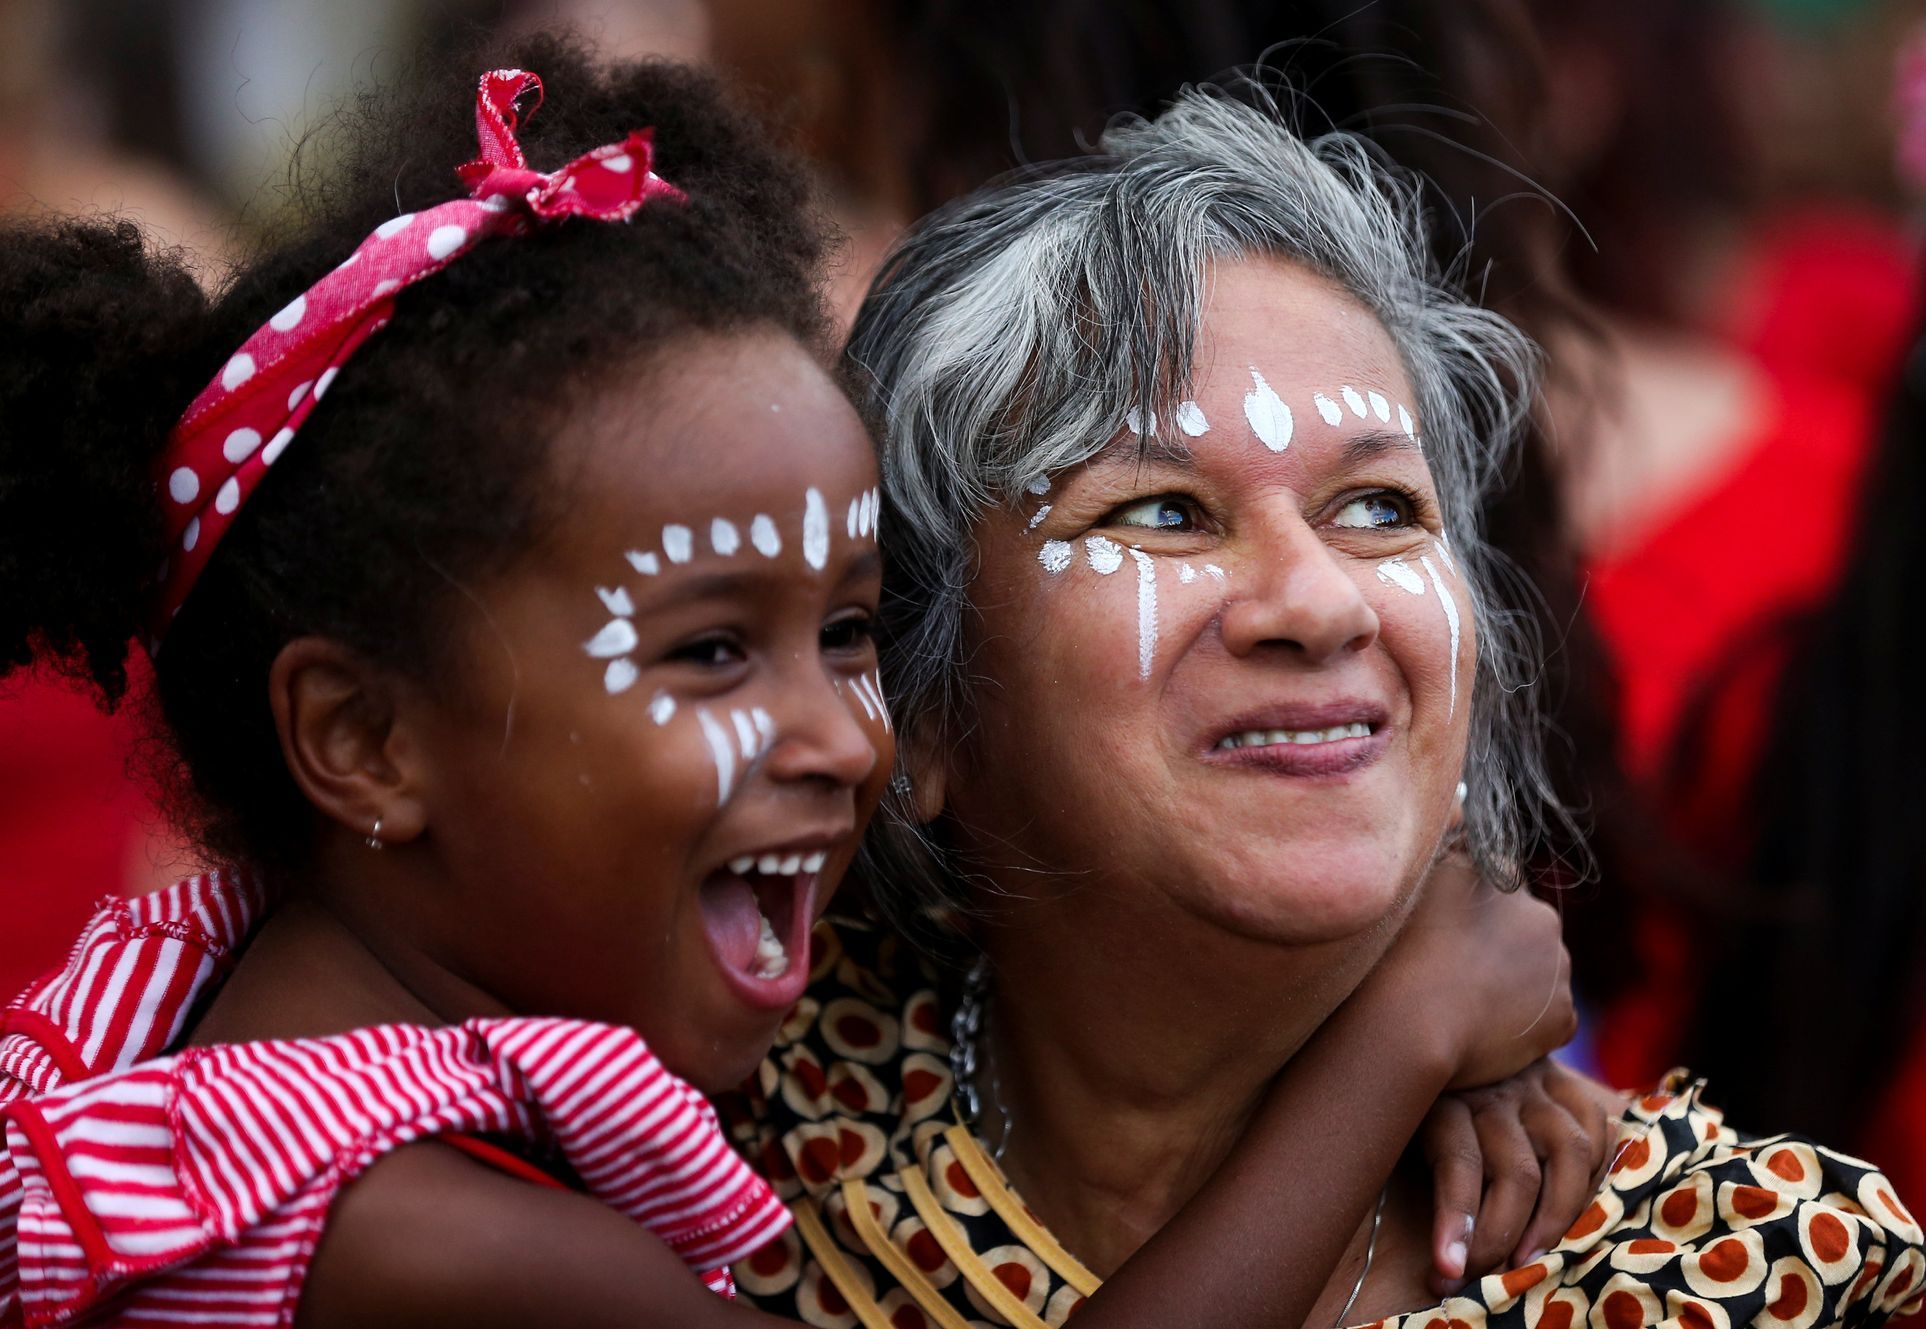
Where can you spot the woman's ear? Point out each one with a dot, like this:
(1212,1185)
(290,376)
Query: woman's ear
(336,715)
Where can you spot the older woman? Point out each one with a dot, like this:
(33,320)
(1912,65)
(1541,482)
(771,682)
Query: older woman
(1193,640)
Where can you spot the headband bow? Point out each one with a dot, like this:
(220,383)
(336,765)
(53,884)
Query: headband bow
(242,421)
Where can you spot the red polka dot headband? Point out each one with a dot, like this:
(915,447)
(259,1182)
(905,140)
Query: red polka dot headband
(242,421)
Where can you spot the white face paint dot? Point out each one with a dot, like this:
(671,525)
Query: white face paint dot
(183,486)
(1354,401)
(662,708)
(678,542)
(229,497)
(322,384)
(815,531)
(445,240)
(1040,485)
(1396,572)
(192,535)
(1405,423)
(764,536)
(291,315)
(1190,419)
(616,601)
(238,371)
(1037,520)
(1105,555)
(394,226)
(240,445)
(1215,571)
(620,676)
(723,537)
(1135,420)
(1330,410)
(1056,555)
(646,564)
(617,637)
(1380,407)
(1269,417)
(276,446)
(1186,574)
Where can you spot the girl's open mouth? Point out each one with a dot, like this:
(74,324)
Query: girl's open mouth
(757,913)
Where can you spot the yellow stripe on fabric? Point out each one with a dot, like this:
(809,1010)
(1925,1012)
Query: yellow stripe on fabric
(838,1270)
(901,1267)
(957,1247)
(1010,1209)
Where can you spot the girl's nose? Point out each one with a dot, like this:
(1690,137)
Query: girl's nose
(1293,593)
(821,735)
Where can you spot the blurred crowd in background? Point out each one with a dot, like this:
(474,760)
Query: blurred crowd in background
(1704,210)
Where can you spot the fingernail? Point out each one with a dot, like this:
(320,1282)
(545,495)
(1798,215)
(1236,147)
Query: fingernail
(1471,1224)
(1455,1256)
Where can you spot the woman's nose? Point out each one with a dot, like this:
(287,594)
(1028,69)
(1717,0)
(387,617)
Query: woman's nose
(1292,592)
(821,736)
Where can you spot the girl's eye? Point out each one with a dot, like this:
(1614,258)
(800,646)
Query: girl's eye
(1165,512)
(1375,512)
(711,651)
(848,634)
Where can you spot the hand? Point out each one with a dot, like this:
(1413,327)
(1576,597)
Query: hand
(1486,969)
(1513,1166)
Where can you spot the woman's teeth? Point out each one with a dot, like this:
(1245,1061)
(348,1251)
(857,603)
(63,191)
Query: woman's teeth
(778,865)
(1267,738)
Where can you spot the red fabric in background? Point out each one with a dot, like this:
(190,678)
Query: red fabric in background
(73,825)
(1829,306)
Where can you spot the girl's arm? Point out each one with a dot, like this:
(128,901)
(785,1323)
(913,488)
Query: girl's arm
(1475,990)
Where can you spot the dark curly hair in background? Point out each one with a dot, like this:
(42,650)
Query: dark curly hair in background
(429,467)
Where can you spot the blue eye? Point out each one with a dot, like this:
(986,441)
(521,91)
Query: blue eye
(1375,512)
(1166,512)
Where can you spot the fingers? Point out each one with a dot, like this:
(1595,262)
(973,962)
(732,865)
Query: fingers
(1512,1181)
(1570,1152)
(1450,1142)
(1593,1107)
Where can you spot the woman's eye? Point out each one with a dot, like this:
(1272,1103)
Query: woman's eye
(1166,512)
(1373,512)
(848,634)
(709,651)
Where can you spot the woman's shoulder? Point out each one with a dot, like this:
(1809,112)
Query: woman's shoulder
(1703,1227)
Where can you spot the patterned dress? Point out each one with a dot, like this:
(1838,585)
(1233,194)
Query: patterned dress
(903,1221)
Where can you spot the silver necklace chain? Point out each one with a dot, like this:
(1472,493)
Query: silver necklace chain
(966,1028)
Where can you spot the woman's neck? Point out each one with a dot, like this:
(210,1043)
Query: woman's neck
(1129,1063)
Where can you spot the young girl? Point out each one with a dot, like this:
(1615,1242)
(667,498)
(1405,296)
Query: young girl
(507,560)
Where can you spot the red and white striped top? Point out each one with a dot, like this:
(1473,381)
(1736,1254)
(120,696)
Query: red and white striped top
(193,1188)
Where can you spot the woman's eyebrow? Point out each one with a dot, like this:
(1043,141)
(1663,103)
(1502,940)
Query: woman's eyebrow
(1136,450)
(1375,443)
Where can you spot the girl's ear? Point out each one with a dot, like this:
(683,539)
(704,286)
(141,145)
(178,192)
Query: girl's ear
(336,715)
(923,760)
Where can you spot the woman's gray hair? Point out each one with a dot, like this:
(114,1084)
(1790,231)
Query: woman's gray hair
(1009,335)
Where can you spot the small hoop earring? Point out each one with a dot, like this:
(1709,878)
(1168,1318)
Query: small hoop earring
(374,836)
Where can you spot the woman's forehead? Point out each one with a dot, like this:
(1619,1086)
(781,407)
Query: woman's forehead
(1292,326)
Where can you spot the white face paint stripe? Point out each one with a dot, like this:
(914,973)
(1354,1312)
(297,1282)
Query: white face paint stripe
(678,542)
(1191,419)
(863,697)
(815,536)
(1397,572)
(723,537)
(721,751)
(1330,410)
(1444,553)
(1451,617)
(1056,555)
(1270,418)
(765,725)
(616,601)
(646,564)
(1037,520)
(882,702)
(1380,407)
(1215,571)
(661,708)
(1405,423)
(855,516)
(745,735)
(764,536)
(1105,555)
(1146,612)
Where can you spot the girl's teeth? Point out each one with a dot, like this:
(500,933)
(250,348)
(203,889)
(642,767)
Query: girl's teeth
(791,865)
(768,865)
(814,862)
(772,961)
(1264,738)
(744,865)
